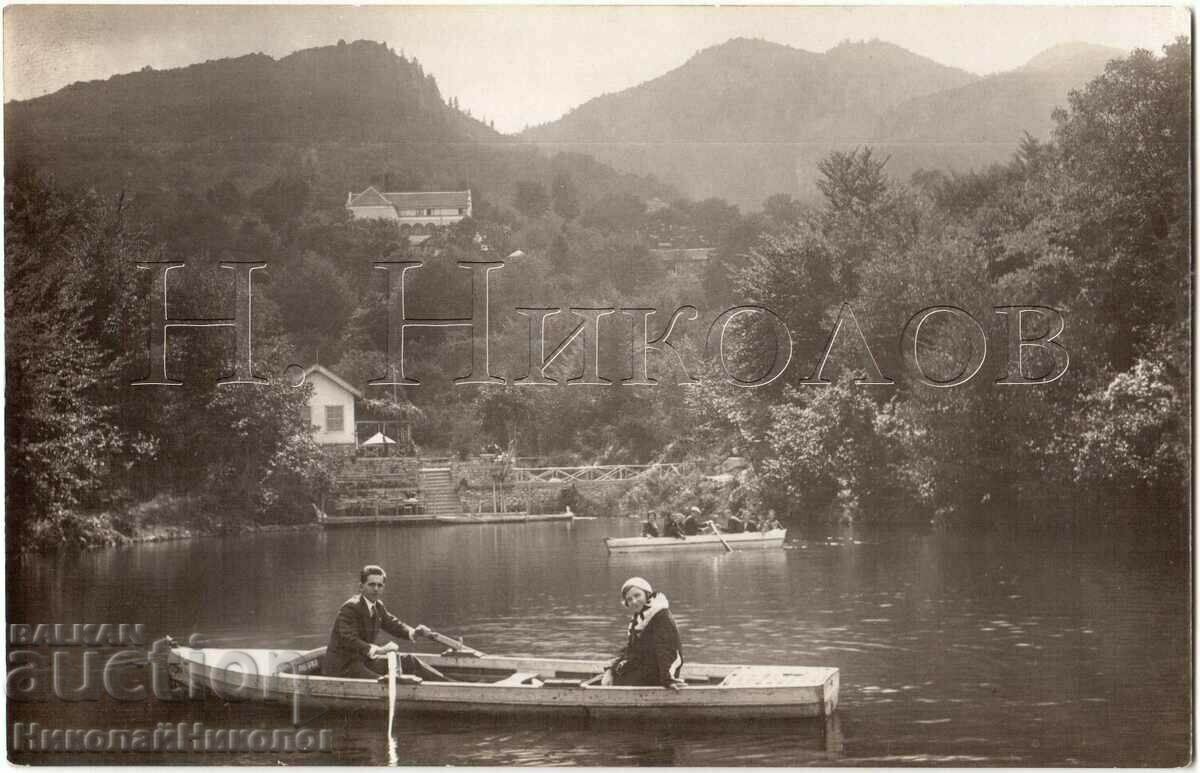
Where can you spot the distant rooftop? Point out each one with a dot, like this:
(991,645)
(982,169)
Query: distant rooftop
(411,199)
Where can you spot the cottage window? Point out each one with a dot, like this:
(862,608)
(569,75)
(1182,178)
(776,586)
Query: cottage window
(306,416)
(333,418)
(428,212)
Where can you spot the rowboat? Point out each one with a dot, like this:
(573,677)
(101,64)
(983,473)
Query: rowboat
(424,519)
(468,518)
(333,522)
(510,685)
(751,540)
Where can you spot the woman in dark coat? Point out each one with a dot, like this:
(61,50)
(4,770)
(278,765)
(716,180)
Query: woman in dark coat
(652,656)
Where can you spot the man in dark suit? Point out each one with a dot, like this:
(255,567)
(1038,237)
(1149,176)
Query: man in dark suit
(352,651)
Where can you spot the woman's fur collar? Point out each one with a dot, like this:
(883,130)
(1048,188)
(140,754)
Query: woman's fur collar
(657,603)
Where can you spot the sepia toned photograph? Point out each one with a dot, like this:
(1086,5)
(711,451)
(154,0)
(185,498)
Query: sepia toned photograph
(598,385)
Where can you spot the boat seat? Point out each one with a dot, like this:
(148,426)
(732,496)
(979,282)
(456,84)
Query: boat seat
(563,682)
(402,679)
(767,676)
(520,678)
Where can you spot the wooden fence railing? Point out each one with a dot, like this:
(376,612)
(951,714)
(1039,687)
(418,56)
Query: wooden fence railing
(597,473)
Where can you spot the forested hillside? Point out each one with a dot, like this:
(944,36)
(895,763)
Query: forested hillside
(1094,223)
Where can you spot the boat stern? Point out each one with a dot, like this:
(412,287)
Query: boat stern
(829,692)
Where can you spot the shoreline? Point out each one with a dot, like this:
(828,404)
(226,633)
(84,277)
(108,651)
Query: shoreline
(164,518)
(177,533)
(160,534)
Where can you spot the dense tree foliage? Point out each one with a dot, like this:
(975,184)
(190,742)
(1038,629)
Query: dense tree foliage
(1094,224)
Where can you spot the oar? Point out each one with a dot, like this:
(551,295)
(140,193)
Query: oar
(454,644)
(393,659)
(718,533)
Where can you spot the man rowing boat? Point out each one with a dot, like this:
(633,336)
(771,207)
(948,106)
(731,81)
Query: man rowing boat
(352,651)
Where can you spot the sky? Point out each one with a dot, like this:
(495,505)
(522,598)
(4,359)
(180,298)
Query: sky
(526,64)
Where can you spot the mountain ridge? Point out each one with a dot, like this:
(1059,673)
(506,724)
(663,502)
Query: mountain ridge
(341,116)
(749,118)
(1002,107)
(740,120)
(372,93)
(699,96)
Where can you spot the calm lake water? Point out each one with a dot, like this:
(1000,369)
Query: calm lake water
(953,650)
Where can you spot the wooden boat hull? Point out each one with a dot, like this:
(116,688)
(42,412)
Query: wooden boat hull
(754,540)
(495,685)
(336,521)
(502,518)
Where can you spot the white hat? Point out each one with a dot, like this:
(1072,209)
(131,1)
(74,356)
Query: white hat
(636,582)
(695,510)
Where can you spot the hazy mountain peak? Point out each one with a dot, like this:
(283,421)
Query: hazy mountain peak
(746,52)
(748,44)
(881,54)
(1074,56)
(735,119)
(361,51)
(865,47)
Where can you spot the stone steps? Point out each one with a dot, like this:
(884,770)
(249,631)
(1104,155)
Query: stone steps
(438,493)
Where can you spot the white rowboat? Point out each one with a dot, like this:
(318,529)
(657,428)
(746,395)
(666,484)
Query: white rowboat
(751,540)
(503,685)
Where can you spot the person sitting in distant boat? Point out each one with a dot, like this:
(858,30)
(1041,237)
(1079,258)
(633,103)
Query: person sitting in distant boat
(649,529)
(691,523)
(674,526)
(652,655)
(734,525)
(752,525)
(352,651)
(772,522)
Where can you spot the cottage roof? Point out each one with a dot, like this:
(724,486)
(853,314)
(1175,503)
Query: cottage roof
(368,198)
(429,199)
(410,199)
(335,378)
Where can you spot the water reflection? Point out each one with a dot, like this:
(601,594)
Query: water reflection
(616,742)
(998,650)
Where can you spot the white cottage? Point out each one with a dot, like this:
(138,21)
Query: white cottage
(330,410)
(410,207)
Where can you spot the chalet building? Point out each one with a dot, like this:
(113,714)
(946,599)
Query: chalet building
(422,208)
(330,410)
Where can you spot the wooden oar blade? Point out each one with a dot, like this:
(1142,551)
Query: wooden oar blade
(717,531)
(454,644)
